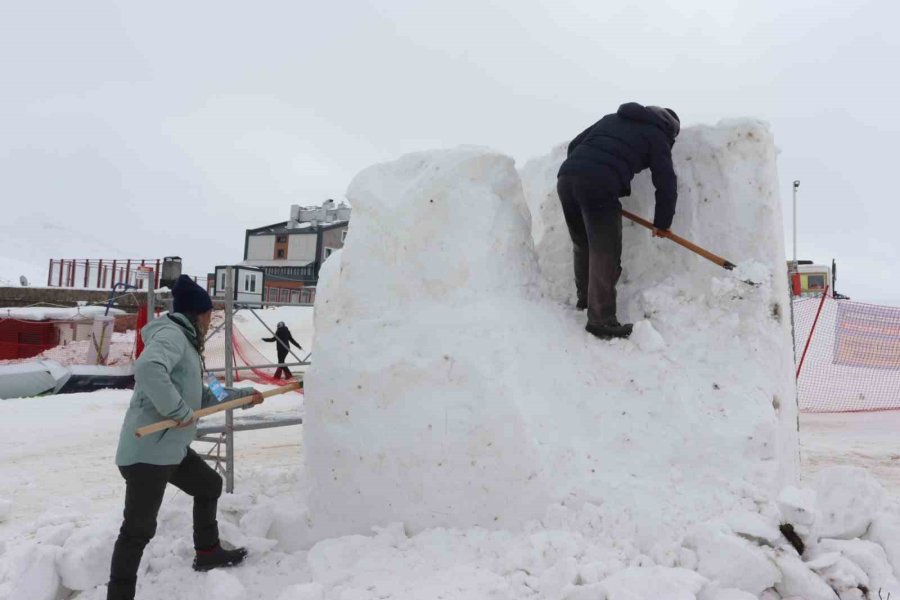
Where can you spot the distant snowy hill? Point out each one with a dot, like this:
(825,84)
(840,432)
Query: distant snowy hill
(12,269)
(29,243)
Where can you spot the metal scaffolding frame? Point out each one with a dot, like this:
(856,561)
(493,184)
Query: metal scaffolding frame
(222,436)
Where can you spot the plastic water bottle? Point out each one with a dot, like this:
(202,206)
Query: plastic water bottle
(217,388)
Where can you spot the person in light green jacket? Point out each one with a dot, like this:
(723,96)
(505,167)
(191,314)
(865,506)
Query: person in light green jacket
(168,384)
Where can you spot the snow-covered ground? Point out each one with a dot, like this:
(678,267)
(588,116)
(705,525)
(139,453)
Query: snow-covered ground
(66,497)
(869,440)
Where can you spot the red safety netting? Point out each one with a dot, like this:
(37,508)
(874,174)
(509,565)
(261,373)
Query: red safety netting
(65,341)
(244,354)
(853,360)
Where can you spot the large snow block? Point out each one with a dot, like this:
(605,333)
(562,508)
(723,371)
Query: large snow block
(728,203)
(450,387)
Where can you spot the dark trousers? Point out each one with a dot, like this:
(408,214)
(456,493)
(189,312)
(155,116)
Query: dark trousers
(282,357)
(594,218)
(145,485)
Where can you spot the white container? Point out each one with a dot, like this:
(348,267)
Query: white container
(98,350)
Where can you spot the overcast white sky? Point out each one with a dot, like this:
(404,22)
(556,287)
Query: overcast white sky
(160,128)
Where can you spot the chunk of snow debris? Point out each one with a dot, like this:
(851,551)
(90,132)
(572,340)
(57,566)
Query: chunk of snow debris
(303,591)
(754,526)
(258,521)
(731,561)
(291,528)
(848,498)
(824,560)
(646,337)
(799,580)
(798,507)
(867,555)
(32,572)
(754,271)
(329,559)
(55,535)
(222,585)
(653,583)
(843,575)
(86,555)
(714,592)
(555,580)
(885,531)
(593,591)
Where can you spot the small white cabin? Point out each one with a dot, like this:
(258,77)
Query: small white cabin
(249,283)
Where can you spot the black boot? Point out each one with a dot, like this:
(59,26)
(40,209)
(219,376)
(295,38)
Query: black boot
(610,329)
(217,556)
(581,305)
(121,589)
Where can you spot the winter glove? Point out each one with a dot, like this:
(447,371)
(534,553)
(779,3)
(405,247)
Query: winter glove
(235,393)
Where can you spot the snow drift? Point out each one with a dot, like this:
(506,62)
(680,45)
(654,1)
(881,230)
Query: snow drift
(453,385)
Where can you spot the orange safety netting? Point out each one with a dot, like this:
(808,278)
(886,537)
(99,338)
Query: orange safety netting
(244,354)
(853,360)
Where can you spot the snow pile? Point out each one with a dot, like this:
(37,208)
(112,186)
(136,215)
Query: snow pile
(564,555)
(65,551)
(52,313)
(449,390)
(56,541)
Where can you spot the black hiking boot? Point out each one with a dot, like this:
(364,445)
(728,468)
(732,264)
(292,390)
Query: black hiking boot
(217,556)
(609,330)
(580,305)
(121,589)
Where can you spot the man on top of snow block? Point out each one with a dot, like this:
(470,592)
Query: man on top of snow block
(599,167)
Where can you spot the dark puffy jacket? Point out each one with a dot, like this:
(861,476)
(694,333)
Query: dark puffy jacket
(283,335)
(620,145)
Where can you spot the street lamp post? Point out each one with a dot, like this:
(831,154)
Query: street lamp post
(796,187)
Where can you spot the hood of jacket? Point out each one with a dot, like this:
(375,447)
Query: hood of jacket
(654,115)
(172,320)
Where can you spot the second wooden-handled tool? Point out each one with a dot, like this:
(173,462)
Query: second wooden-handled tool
(725,264)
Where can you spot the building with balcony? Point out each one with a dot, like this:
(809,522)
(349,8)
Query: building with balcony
(292,252)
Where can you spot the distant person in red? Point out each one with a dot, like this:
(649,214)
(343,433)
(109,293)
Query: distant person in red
(283,337)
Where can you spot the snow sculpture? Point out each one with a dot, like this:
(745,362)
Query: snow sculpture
(452,387)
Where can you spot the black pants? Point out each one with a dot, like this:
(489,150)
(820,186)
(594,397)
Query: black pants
(145,485)
(593,216)
(282,357)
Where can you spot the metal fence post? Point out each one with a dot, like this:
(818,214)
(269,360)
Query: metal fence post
(151,299)
(229,378)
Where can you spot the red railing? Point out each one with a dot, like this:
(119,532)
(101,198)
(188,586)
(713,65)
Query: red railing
(100,273)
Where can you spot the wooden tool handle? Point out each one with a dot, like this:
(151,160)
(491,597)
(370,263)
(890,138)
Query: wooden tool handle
(229,405)
(682,242)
